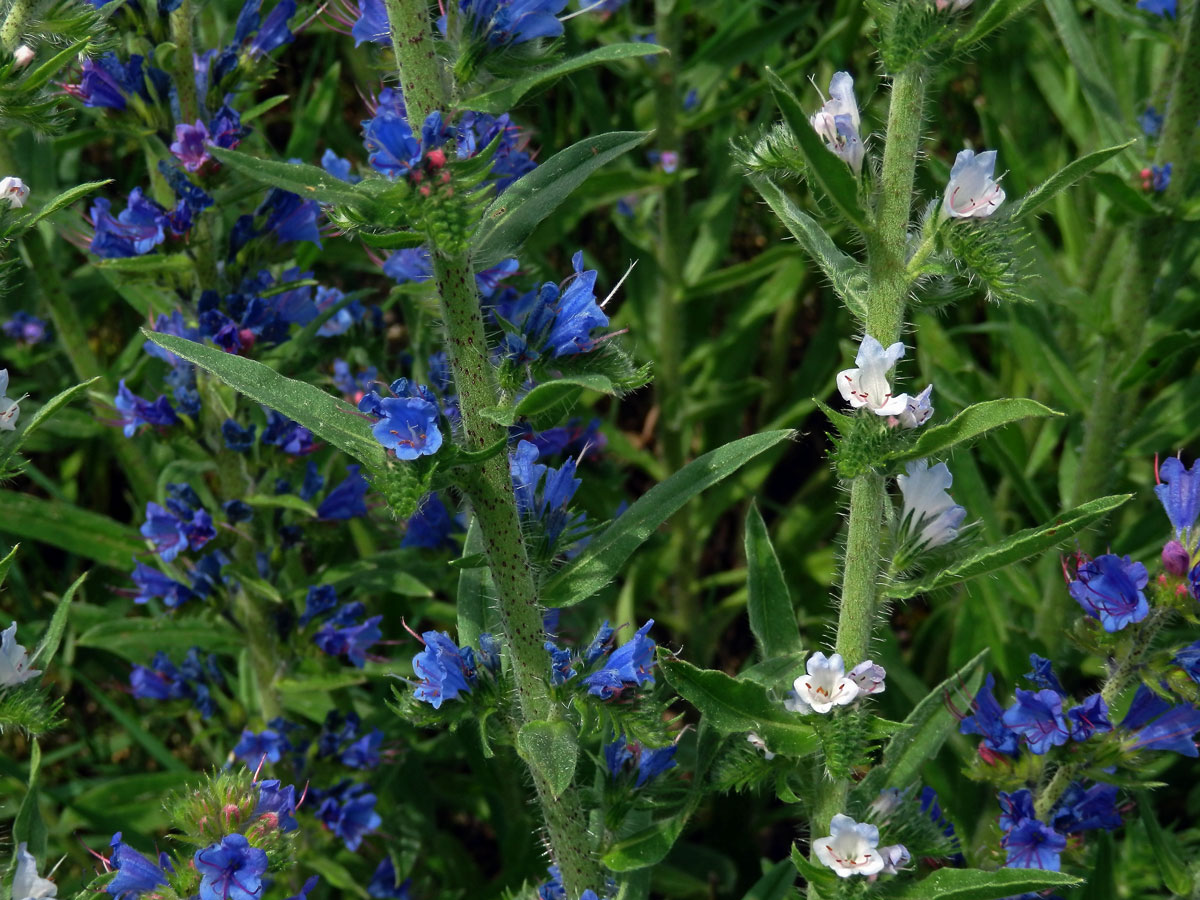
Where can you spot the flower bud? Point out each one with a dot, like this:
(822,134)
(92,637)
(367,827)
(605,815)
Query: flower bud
(23,56)
(1175,558)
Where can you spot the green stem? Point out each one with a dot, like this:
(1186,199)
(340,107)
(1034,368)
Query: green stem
(927,244)
(887,251)
(14,24)
(489,486)
(1048,796)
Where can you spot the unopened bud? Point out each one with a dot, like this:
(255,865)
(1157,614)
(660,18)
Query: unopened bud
(437,158)
(23,56)
(1175,559)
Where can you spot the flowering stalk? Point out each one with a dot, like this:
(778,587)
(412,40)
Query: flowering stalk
(14,24)
(887,250)
(489,487)
(1102,434)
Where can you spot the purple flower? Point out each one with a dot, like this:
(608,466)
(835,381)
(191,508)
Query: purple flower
(1157,725)
(363,753)
(1090,717)
(230,869)
(136,875)
(350,814)
(1043,674)
(1188,659)
(1175,559)
(1109,588)
(1086,810)
(345,500)
(383,883)
(1033,845)
(628,666)
(189,145)
(1180,495)
(431,527)
(504,22)
(26,328)
(1037,716)
(442,669)
(269,744)
(372,25)
(136,231)
(988,721)
(351,642)
(279,802)
(1015,809)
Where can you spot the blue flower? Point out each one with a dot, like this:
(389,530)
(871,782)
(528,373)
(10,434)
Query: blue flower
(552,320)
(552,889)
(313,482)
(1090,717)
(1015,809)
(306,888)
(282,432)
(279,802)
(137,230)
(337,166)
(504,22)
(1086,810)
(489,652)
(600,645)
(364,753)
(230,869)
(345,500)
(431,527)
(628,666)
(1033,845)
(1162,8)
(254,747)
(237,438)
(1037,716)
(383,883)
(152,583)
(371,25)
(544,494)
(408,425)
(933,809)
(988,721)
(1188,659)
(1157,725)
(146,684)
(27,328)
(136,875)
(1109,588)
(274,32)
(189,682)
(1151,122)
(237,511)
(650,763)
(102,85)
(190,145)
(1156,178)
(206,577)
(1180,496)
(392,148)
(1043,674)
(165,531)
(349,812)
(560,663)
(225,127)
(136,412)
(351,642)
(290,217)
(441,667)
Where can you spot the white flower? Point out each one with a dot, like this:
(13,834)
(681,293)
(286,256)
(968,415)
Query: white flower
(868,385)
(971,191)
(918,411)
(826,684)
(23,56)
(13,190)
(895,858)
(760,744)
(26,883)
(930,517)
(14,660)
(9,410)
(851,848)
(868,677)
(837,121)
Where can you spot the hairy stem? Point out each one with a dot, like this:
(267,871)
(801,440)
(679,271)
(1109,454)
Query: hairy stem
(489,487)
(14,24)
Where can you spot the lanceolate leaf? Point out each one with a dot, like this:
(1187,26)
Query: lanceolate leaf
(48,646)
(309,182)
(52,405)
(512,216)
(772,618)
(330,418)
(977,884)
(66,198)
(730,705)
(551,749)
(70,528)
(824,168)
(137,640)
(508,95)
(969,424)
(604,556)
(1171,866)
(995,15)
(6,564)
(646,847)
(1019,546)
(1065,177)
(847,277)
(474,590)
(561,393)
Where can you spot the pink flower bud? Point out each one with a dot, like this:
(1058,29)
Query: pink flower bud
(1176,559)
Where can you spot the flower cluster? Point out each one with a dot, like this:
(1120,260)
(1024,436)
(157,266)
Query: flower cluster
(192,680)
(621,757)
(827,684)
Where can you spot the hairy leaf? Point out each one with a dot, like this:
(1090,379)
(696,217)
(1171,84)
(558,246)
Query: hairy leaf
(772,618)
(1064,178)
(978,884)
(970,424)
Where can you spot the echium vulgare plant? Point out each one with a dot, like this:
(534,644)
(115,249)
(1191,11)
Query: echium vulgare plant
(247,482)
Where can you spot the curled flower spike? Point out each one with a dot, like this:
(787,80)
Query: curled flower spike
(972,192)
(851,848)
(867,385)
(837,122)
(826,685)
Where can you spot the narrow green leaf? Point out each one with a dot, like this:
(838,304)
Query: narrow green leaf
(646,847)
(330,418)
(1152,361)
(152,265)
(921,735)
(551,749)
(1065,177)
(310,182)
(775,884)
(824,168)
(48,646)
(1019,546)
(1124,195)
(6,563)
(559,394)
(28,826)
(505,97)
(66,198)
(1101,880)
(600,561)
(1094,79)
(845,275)
(70,528)
(391,240)
(1174,870)
(813,873)
(132,726)
(772,618)
(282,501)
(995,15)
(474,591)
(338,875)
(137,640)
(978,884)
(970,424)
(776,672)
(45,412)
(512,216)
(731,705)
